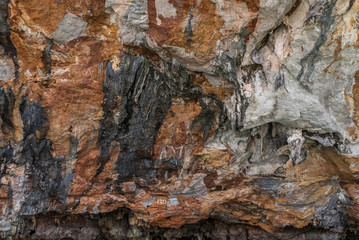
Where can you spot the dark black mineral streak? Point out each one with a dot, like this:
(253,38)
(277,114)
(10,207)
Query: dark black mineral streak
(136,101)
(7,101)
(43,170)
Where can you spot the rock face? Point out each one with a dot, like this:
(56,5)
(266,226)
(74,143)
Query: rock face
(179,119)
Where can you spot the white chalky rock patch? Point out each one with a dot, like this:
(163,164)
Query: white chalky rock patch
(164,8)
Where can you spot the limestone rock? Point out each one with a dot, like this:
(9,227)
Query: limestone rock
(191,119)
(69,28)
(7,72)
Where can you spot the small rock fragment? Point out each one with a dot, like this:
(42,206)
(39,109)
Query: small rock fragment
(295,143)
(69,28)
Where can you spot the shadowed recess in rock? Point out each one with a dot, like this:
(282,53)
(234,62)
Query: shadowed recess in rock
(120,224)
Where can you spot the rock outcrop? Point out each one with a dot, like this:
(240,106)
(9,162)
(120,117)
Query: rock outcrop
(179,119)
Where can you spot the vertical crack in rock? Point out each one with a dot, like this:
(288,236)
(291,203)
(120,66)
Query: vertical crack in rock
(135,103)
(188,29)
(44,179)
(7,101)
(325,22)
(279,80)
(5,40)
(46,58)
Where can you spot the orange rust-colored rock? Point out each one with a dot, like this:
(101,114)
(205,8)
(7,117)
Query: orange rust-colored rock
(169,119)
(195,28)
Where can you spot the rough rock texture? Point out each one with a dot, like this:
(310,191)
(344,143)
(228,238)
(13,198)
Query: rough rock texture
(179,119)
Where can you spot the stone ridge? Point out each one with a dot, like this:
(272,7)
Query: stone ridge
(168,119)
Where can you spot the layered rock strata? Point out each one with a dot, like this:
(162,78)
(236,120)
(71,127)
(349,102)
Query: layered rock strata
(179,119)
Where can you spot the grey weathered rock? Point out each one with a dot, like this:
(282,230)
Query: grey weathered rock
(188,119)
(71,27)
(7,72)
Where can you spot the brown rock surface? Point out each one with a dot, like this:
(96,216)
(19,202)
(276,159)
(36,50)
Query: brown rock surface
(179,119)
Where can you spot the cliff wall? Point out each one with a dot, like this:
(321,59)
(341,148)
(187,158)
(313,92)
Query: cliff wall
(179,119)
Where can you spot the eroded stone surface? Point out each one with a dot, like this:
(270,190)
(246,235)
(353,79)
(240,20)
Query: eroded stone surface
(161,119)
(7,72)
(69,28)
